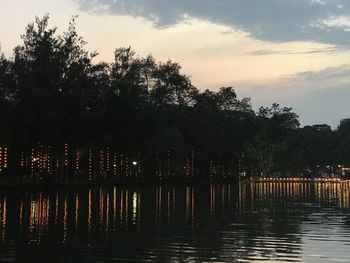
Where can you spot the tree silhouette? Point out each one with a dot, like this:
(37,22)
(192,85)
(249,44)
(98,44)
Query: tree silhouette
(52,93)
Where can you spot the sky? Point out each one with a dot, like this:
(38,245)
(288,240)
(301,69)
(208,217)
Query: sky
(293,52)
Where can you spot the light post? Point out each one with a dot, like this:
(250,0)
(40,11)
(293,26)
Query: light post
(134,169)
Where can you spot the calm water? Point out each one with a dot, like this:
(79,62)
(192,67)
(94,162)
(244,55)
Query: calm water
(249,222)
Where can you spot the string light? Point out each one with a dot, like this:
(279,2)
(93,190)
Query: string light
(1,159)
(22,159)
(57,163)
(44,161)
(41,159)
(139,164)
(115,164)
(26,159)
(126,166)
(65,154)
(121,163)
(211,170)
(77,160)
(5,158)
(187,166)
(160,169)
(107,159)
(32,162)
(101,161)
(48,160)
(90,165)
(192,163)
(240,170)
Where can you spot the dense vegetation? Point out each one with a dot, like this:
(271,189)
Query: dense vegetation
(52,92)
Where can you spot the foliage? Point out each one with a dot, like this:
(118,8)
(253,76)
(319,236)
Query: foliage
(52,92)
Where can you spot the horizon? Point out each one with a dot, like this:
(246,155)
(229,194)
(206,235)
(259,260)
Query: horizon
(267,58)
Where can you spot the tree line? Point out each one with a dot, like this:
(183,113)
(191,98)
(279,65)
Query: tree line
(52,92)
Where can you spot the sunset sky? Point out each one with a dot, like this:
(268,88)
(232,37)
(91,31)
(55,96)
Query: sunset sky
(295,52)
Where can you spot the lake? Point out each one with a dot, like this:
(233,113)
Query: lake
(239,222)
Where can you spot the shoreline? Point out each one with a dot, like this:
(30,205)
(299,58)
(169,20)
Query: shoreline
(10,183)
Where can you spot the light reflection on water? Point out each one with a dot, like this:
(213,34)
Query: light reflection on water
(245,222)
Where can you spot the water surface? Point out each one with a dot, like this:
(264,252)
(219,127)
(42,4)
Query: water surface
(246,222)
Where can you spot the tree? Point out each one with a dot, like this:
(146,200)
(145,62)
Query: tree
(275,125)
(171,87)
(51,92)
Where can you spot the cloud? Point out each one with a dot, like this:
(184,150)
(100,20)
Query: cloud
(325,21)
(302,84)
(328,75)
(316,96)
(264,52)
